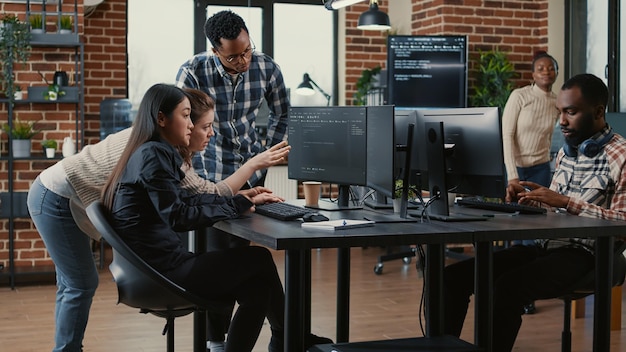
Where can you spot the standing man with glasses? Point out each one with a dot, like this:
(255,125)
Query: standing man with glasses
(239,80)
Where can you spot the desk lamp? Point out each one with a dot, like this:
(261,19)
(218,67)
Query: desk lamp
(306,88)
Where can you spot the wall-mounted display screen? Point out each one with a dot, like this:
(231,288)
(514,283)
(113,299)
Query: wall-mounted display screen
(427,71)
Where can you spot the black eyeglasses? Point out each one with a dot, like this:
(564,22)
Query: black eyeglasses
(245,55)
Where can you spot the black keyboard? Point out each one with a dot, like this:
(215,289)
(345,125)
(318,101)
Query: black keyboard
(282,211)
(503,207)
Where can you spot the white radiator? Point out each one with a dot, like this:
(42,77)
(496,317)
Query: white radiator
(277,180)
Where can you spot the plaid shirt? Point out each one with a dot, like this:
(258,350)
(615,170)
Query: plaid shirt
(236,107)
(596,186)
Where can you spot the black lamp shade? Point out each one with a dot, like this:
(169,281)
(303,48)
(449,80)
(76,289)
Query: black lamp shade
(305,88)
(374,19)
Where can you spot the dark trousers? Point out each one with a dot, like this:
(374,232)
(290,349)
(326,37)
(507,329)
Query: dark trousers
(246,275)
(521,274)
(216,240)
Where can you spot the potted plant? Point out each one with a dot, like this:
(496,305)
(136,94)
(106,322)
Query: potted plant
(21,133)
(17,93)
(66,24)
(36,24)
(50,147)
(493,84)
(14,46)
(365,84)
(53,92)
(397,194)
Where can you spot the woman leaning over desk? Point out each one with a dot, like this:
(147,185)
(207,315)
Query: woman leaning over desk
(81,177)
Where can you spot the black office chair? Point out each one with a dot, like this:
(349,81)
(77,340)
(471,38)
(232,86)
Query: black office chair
(585,287)
(141,286)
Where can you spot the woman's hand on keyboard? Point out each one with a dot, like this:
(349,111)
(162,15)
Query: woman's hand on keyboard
(266,197)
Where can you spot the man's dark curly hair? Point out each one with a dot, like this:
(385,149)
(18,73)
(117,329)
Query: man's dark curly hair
(223,25)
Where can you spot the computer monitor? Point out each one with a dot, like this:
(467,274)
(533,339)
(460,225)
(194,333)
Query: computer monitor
(328,144)
(418,174)
(462,151)
(427,71)
(380,150)
(343,145)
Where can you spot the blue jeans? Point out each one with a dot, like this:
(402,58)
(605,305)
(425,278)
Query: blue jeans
(540,174)
(76,272)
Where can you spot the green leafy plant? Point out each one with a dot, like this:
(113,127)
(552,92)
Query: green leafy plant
(493,84)
(14,47)
(36,21)
(398,190)
(66,22)
(21,129)
(53,92)
(49,143)
(365,84)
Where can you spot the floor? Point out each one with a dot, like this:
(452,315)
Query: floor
(383,306)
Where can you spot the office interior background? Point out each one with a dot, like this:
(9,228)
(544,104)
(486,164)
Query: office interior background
(132,44)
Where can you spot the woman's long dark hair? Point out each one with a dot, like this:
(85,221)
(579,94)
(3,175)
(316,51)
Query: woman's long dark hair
(201,103)
(159,98)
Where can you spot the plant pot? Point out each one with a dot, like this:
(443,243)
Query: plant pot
(396,205)
(65,31)
(18,95)
(50,153)
(36,31)
(20,148)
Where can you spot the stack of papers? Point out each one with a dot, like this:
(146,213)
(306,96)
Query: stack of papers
(337,224)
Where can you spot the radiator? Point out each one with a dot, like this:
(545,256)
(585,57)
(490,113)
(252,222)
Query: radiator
(277,180)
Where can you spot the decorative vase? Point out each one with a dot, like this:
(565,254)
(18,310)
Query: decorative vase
(20,148)
(69,148)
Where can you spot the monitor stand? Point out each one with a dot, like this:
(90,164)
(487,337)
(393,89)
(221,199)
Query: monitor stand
(342,203)
(380,202)
(435,150)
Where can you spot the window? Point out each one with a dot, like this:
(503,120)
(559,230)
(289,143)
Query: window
(160,39)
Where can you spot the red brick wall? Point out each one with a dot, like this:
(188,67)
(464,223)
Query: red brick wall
(104,37)
(518,27)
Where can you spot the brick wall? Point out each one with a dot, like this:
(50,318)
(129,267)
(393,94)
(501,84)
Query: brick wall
(518,27)
(104,36)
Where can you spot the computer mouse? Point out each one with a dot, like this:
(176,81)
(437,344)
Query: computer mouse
(314,217)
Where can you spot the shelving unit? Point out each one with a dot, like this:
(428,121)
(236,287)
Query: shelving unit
(15,206)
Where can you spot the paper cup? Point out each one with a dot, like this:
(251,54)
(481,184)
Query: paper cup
(312,190)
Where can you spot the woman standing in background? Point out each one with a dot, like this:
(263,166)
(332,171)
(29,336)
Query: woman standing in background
(527,124)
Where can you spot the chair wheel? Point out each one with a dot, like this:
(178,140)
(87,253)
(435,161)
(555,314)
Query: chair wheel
(406,260)
(378,269)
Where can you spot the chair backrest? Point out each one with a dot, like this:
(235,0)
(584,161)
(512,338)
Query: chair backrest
(139,285)
(586,285)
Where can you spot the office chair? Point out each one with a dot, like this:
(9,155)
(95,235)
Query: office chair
(141,286)
(585,287)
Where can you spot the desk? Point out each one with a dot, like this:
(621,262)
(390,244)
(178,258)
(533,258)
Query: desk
(298,242)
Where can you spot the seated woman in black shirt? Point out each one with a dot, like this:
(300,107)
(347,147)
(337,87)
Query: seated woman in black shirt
(149,208)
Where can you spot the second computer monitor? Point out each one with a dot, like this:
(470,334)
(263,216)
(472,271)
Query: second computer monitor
(465,156)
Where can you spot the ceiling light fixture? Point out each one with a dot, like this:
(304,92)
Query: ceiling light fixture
(337,4)
(374,19)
